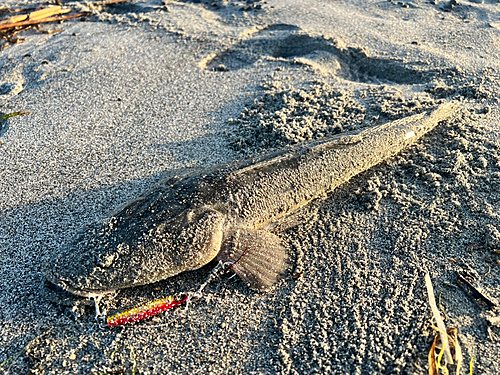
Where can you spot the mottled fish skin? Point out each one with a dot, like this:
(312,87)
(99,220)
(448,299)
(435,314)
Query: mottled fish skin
(183,223)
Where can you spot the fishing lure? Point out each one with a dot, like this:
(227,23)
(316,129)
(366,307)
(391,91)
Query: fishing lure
(153,308)
(146,310)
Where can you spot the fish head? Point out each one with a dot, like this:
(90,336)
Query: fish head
(130,250)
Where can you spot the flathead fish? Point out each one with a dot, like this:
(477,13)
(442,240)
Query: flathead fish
(184,222)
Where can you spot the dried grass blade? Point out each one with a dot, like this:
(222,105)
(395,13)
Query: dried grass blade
(36,15)
(47,12)
(437,317)
(45,20)
(14,114)
(15,19)
(457,350)
(432,358)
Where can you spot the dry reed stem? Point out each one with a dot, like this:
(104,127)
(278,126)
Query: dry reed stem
(44,20)
(437,317)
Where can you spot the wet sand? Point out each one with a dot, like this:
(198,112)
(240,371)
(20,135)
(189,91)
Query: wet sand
(141,90)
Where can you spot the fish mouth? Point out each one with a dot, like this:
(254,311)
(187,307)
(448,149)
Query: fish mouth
(81,273)
(86,280)
(63,287)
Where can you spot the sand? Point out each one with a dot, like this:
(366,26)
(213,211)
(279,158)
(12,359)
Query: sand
(141,90)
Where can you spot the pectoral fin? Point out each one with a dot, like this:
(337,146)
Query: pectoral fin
(257,256)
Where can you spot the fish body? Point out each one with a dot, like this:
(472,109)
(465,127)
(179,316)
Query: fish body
(184,222)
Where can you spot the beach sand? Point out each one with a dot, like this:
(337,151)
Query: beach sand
(141,90)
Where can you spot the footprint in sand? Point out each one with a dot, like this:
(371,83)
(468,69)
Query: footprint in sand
(326,55)
(11,86)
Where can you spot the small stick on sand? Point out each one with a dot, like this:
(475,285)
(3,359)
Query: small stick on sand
(437,316)
(44,20)
(475,290)
(37,15)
